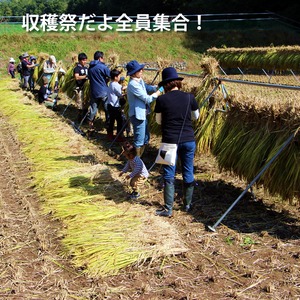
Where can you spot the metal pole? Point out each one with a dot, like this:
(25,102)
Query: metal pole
(211,93)
(272,85)
(68,105)
(38,80)
(154,77)
(149,170)
(241,72)
(77,128)
(213,228)
(267,75)
(118,134)
(294,75)
(222,70)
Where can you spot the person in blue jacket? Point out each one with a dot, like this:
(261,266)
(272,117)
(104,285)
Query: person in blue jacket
(99,75)
(140,95)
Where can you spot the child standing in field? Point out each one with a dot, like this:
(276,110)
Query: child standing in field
(139,172)
(115,94)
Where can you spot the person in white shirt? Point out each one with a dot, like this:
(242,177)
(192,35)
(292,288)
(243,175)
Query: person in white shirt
(115,93)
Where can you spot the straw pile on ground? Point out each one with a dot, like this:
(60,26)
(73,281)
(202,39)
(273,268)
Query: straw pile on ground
(102,232)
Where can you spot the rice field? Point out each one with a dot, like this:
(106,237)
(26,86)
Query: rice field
(241,124)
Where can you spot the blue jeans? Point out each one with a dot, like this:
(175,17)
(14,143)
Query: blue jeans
(141,133)
(94,105)
(25,81)
(186,153)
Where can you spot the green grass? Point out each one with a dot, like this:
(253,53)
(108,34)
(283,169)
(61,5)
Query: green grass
(142,46)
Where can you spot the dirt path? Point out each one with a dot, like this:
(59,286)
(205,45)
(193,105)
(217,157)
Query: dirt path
(30,267)
(254,255)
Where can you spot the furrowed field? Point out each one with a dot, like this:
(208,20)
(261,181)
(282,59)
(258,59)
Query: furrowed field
(68,230)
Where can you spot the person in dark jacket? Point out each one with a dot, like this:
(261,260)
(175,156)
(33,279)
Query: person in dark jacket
(26,66)
(99,75)
(81,76)
(175,111)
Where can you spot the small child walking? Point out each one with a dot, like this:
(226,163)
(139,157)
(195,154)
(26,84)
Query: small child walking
(137,167)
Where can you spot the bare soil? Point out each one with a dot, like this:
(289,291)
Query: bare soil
(254,254)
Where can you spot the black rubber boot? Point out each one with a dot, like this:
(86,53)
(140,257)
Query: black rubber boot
(167,210)
(188,190)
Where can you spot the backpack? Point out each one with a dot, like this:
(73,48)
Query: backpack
(19,68)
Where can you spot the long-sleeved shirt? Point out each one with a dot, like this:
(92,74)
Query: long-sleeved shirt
(11,67)
(114,93)
(137,167)
(99,75)
(138,98)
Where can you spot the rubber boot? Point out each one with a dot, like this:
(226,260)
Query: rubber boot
(169,190)
(188,191)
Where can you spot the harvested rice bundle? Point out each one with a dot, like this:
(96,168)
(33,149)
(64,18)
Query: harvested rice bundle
(208,124)
(39,71)
(163,63)
(250,136)
(57,76)
(272,58)
(68,85)
(113,61)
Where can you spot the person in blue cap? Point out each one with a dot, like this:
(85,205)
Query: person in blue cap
(175,111)
(140,95)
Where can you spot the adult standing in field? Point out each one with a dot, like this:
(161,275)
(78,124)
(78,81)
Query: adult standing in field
(49,68)
(32,59)
(19,69)
(139,102)
(175,111)
(99,75)
(26,66)
(81,76)
(11,69)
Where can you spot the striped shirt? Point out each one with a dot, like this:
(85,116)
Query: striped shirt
(137,167)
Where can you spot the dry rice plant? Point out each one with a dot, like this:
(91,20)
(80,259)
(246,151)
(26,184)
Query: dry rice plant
(252,134)
(208,124)
(102,233)
(38,71)
(270,58)
(113,60)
